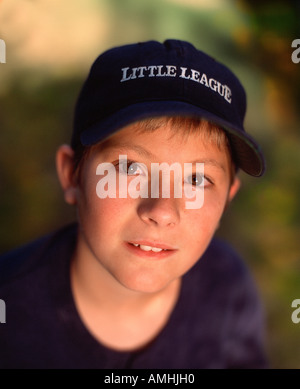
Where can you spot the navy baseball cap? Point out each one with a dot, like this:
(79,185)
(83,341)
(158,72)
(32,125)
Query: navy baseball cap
(152,79)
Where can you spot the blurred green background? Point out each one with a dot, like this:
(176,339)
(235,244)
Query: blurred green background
(50,46)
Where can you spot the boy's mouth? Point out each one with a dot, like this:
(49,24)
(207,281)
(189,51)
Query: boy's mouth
(149,247)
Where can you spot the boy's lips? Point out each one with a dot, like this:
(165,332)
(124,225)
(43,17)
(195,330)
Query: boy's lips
(151,248)
(153,244)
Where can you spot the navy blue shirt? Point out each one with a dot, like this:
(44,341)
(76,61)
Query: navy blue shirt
(216,323)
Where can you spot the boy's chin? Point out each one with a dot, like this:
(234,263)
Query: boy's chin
(148,284)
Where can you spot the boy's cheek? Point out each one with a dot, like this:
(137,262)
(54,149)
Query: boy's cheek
(105,211)
(213,205)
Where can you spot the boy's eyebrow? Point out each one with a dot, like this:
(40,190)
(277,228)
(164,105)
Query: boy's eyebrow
(210,161)
(138,149)
(142,151)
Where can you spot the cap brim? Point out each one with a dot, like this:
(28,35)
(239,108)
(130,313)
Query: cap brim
(247,152)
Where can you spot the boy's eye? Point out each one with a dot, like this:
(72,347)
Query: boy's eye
(197,180)
(130,168)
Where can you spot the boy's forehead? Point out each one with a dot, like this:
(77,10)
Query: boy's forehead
(164,129)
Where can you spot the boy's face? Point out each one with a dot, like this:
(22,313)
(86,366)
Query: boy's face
(115,231)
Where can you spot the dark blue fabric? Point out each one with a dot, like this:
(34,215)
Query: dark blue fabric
(217,322)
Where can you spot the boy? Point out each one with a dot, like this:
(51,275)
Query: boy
(139,281)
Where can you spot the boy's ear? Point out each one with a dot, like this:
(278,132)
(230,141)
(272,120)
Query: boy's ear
(65,172)
(235,186)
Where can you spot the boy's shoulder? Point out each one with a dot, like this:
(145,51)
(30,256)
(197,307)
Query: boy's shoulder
(24,259)
(220,255)
(223,270)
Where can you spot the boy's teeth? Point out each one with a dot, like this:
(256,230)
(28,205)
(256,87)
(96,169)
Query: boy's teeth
(148,248)
(156,249)
(145,248)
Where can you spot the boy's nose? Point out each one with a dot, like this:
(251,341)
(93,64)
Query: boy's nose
(163,212)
